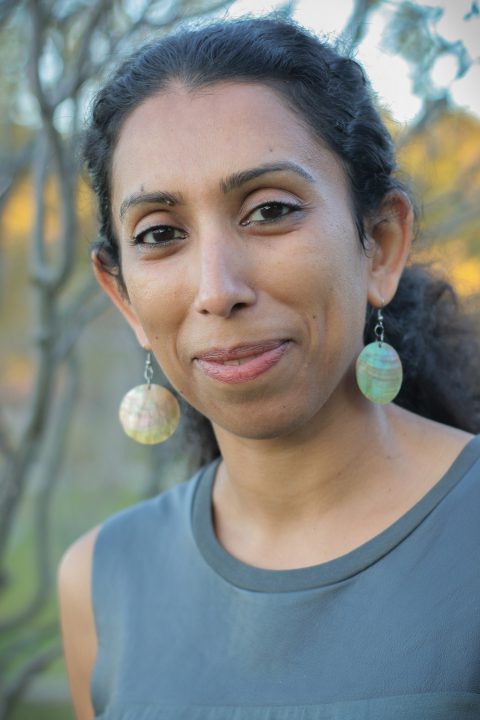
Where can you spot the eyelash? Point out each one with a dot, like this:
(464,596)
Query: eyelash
(292,207)
(138,238)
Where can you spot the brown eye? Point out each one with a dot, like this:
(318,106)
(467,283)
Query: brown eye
(270,212)
(158,235)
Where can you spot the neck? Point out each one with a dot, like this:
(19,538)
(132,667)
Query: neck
(320,492)
(281,484)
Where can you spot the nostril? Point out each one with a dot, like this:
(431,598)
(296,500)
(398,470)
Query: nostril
(239,306)
(225,311)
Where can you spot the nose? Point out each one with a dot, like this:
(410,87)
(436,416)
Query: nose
(224,282)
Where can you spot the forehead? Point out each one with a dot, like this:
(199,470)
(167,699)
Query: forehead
(182,136)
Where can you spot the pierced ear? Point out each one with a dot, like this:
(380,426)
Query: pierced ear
(390,232)
(110,283)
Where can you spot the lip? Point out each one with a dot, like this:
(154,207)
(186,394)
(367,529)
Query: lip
(238,352)
(264,356)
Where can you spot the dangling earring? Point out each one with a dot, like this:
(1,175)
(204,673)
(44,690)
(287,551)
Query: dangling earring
(149,413)
(379,369)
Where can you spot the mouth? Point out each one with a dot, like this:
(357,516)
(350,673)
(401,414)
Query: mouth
(242,363)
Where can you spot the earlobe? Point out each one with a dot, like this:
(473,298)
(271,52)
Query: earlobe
(391,233)
(110,284)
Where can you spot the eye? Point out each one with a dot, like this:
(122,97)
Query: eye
(158,235)
(270,212)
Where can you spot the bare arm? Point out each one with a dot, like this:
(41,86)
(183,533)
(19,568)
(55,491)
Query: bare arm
(78,626)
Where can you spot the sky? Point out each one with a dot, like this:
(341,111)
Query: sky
(389,74)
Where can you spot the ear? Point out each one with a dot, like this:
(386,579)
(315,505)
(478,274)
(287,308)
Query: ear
(110,283)
(390,232)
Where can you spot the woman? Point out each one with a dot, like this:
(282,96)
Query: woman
(255,237)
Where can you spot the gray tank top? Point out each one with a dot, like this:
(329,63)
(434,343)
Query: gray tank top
(389,630)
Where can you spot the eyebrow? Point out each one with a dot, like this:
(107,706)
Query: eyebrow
(157,198)
(232,182)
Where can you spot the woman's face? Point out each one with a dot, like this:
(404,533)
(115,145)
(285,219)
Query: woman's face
(244,270)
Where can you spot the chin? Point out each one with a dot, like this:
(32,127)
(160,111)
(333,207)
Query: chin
(279,423)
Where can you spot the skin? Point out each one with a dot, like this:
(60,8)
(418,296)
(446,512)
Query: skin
(311,469)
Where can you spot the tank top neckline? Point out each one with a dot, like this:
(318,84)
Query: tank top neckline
(256,579)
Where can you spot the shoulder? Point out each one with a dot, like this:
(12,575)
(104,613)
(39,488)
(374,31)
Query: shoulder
(162,515)
(77,621)
(109,557)
(76,561)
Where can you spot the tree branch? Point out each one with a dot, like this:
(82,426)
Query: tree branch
(72,329)
(354,31)
(48,480)
(6,442)
(73,82)
(12,171)
(6,8)
(65,184)
(24,641)
(39,270)
(33,667)
(13,479)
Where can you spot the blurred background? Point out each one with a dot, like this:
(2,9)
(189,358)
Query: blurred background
(66,358)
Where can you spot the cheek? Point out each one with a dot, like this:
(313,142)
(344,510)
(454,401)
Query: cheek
(335,291)
(155,300)
(333,269)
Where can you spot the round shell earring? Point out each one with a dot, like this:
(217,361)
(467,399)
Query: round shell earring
(378,368)
(149,413)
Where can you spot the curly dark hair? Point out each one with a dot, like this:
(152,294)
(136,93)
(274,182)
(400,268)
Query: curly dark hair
(331,95)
